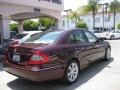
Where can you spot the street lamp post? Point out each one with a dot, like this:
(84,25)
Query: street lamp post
(68,10)
(103,11)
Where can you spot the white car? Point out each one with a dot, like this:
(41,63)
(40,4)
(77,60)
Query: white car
(97,33)
(20,38)
(114,34)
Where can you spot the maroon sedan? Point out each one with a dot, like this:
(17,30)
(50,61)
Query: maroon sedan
(55,54)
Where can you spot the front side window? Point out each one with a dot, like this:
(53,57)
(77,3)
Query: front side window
(90,36)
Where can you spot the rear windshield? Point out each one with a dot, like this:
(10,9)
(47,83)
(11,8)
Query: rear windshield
(19,36)
(45,37)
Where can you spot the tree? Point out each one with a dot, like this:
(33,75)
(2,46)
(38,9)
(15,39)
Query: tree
(118,26)
(46,22)
(113,7)
(30,25)
(93,7)
(74,15)
(81,24)
(14,27)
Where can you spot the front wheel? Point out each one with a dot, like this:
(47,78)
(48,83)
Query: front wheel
(112,37)
(108,54)
(71,72)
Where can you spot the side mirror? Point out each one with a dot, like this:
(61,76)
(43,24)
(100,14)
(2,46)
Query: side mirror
(100,40)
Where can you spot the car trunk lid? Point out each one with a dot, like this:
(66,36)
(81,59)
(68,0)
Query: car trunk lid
(21,54)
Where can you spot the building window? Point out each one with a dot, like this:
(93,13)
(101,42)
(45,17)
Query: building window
(57,1)
(73,21)
(97,19)
(117,18)
(63,23)
(89,20)
(53,1)
(107,19)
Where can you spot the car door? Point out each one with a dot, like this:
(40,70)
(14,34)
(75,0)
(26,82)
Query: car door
(81,47)
(98,48)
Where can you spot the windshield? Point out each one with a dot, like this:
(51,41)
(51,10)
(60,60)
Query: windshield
(19,36)
(44,38)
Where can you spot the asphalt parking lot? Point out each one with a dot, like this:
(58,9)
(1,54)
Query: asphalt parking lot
(99,76)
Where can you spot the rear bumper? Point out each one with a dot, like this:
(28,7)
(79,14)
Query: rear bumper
(41,75)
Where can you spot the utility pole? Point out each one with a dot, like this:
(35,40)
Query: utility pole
(114,12)
(68,10)
(103,11)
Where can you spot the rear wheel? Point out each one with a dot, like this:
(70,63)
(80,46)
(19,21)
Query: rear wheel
(108,54)
(112,37)
(71,72)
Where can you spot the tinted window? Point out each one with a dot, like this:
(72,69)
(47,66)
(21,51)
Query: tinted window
(48,37)
(72,39)
(118,31)
(113,31)
(77,37)
(90,36)
(19,36)
(96,31)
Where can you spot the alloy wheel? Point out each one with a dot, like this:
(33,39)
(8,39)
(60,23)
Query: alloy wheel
(72,72)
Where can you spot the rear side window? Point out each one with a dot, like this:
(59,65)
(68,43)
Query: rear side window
(118,31)
(77,37)
(96,31)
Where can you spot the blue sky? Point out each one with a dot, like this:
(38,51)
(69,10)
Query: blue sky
(74,4)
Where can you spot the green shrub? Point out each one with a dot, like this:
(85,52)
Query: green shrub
(118,26)
(14,27)
(30,25)
(81,24)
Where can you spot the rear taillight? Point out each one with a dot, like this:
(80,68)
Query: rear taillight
(38,58)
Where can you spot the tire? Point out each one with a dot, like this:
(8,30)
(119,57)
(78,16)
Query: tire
(112,37)
(108,54)
(71,72)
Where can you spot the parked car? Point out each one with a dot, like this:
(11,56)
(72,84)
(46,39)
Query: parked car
(57,54)
(19,38)
(114,34)
(97,33)
(12,34)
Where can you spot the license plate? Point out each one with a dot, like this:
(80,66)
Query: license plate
(16,58)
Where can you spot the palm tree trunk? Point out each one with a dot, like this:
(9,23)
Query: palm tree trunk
(93,19)
(76,20)
(114,14)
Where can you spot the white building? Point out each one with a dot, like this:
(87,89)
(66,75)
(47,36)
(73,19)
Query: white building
(19,10)
(108,21)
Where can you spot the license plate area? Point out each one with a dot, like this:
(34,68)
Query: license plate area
(16,58)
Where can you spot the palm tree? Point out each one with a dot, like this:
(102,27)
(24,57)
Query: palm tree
(93,7)
(74,15)
(113,7)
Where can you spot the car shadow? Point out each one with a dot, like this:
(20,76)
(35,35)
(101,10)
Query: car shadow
(85,75)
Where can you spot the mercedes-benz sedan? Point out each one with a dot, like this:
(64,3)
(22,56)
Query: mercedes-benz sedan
(55,54)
